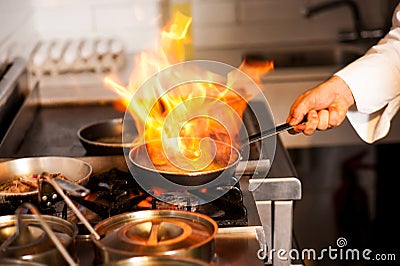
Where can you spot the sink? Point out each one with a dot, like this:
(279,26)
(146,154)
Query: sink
(307,56)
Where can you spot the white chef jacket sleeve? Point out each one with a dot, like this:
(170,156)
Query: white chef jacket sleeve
(374,80)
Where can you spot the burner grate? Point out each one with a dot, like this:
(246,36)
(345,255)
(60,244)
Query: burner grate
(115,191)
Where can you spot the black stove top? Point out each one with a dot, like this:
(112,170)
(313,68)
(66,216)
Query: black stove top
(115,191)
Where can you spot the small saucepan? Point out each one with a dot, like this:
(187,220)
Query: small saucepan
(37,238)
(105,137)
(151,233)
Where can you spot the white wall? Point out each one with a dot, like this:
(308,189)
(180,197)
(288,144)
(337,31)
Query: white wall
(223,24)
(220,29)
(136,22)
(17,36)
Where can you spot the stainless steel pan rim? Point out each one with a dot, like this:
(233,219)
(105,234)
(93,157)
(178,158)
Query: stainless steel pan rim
(142,166)
(33,246)
(92,136)
(76,170)
(235,161)
(114,122)
(15,262)
(159,260)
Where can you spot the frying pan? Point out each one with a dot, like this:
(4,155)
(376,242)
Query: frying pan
(105,137)
(142,164)
(75,170)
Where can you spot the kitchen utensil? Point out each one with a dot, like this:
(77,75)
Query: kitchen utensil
(50,188)
(142,165)
(149,233)
(105,137)
(37,238)
(269,133)
(17,262)
(70,204)
(155,233)
(75,170)
(158,261)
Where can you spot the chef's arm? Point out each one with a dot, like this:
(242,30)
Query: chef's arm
(374,80)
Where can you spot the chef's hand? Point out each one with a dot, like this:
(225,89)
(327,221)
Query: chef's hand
(325,106)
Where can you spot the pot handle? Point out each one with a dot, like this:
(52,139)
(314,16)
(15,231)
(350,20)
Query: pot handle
(70,204)
(20,226)
(47,196)
(72,188)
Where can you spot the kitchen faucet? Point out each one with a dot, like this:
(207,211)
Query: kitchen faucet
(359,32)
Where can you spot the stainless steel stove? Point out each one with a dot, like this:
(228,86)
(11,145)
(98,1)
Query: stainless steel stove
(256,215)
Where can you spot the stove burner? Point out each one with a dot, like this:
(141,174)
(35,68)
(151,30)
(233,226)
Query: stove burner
(114,192)
(177,201)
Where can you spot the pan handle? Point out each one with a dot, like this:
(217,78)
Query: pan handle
(256,168)
(70,204)
(47,195)
(72,188)
(271,132)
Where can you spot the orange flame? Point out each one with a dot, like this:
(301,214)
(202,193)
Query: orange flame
(179,113)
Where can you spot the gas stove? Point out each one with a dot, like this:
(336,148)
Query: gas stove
(247,215)
(115,191)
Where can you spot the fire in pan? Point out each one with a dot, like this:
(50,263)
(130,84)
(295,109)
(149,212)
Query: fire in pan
(215,159)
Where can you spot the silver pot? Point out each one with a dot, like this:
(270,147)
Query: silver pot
(23,237)
(155,233)
(159,261)
(16,262)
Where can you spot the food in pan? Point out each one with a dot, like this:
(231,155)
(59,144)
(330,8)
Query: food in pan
(25,183)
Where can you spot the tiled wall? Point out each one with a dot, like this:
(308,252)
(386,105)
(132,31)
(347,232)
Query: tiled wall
(225,24)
